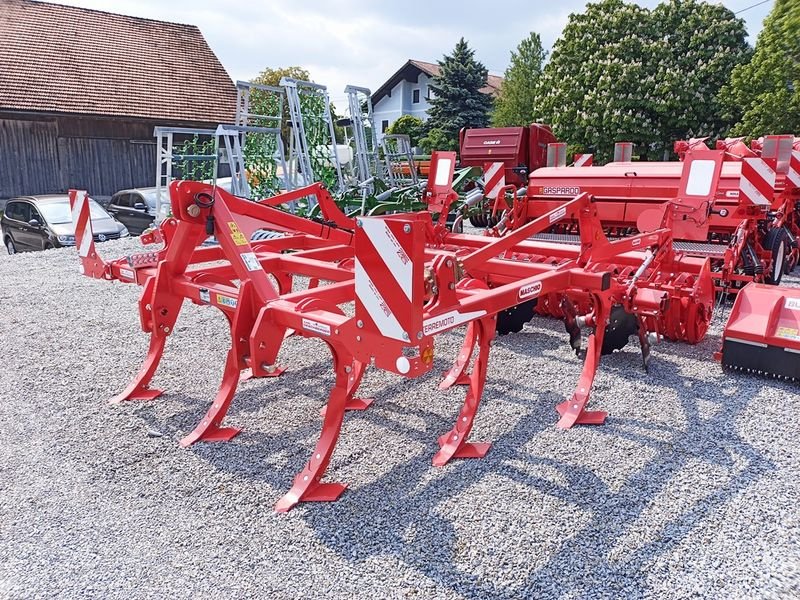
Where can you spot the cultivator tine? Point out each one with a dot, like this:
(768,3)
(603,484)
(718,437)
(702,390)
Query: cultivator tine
(456,375)
(454,444)
(353,381)
(139,389)
(573,411)
(210,429)
(307,486)
(571,324)
(644,343)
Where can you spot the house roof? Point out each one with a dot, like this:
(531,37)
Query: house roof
(412,68)
(64,59)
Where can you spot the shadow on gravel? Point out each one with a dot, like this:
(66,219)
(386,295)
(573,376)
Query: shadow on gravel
(400,513)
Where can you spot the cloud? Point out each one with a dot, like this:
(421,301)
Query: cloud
(360,42)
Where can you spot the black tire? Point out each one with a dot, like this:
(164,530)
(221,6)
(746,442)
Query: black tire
(48,246)
(776,242)
(10,247)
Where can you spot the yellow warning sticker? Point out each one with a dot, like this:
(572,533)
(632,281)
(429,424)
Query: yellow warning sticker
(788,333)
(236,234)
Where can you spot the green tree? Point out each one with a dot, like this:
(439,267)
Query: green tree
(458,101)
(516,104)
(409,125)
(697,45)
(598,87)
(763,96)
(622,72)
(273,77)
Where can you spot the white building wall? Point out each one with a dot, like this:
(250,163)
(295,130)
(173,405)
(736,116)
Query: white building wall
(401,102)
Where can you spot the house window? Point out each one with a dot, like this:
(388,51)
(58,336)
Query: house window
(415,97)
(384,126)
(430,93)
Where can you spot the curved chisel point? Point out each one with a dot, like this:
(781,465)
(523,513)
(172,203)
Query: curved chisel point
(210,428)
(138,388)
(456,375)
(454,444)
(307,486)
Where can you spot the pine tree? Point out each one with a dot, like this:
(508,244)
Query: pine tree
(763,96)
(516,104)
(458,101)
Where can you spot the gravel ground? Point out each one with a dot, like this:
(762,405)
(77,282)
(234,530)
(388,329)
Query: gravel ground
(691,489)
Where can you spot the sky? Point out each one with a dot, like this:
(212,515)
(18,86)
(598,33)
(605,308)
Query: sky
(363,42)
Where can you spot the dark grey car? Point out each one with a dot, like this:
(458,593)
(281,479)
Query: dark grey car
(43,222)
(135,208)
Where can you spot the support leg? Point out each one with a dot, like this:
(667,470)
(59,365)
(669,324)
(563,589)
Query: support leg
(308,486)
(454,444)
(139,389)
(353,381)
(456,375)
(573,411)
(210,429)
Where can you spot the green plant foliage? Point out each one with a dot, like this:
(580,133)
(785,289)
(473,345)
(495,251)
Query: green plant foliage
(458,101)
(408,125)
(318,136)
(697,45)
(191,165)
(516,104)
(260,149)
(621,72)
(763,96)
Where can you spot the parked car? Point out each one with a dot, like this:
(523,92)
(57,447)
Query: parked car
(136,209)
(43,222)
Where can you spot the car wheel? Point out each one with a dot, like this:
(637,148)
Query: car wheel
(12,249)
(48,246)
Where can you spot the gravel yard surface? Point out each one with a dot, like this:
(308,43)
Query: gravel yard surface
(691,489)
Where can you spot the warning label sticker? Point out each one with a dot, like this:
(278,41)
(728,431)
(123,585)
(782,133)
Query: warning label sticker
(236,234)
(316,327)
(226,301)
(559,214)
(250,261)
(788,333)
(127,273)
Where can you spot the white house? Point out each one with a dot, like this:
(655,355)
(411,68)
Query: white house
(407,93)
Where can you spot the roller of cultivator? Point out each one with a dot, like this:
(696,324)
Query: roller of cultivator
(410,280)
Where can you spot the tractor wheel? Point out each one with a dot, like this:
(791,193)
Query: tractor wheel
(10,247)
(775,243)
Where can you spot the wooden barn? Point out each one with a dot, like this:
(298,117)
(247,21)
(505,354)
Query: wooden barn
(82,90)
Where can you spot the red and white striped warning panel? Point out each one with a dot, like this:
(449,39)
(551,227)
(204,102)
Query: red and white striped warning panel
(793,175)
(79,199)
(385,278)
(583,160)
(758,181)
(494,178)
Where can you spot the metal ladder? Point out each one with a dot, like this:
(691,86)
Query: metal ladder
(365,139)
(396,152)
(301,155)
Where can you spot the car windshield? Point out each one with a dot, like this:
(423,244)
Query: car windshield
(59,212)
(150,198)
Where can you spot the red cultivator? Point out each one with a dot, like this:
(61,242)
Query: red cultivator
(409,280)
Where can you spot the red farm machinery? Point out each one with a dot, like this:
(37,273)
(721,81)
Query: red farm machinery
(380,289)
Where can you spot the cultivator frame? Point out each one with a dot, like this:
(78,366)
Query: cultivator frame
(409,279)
